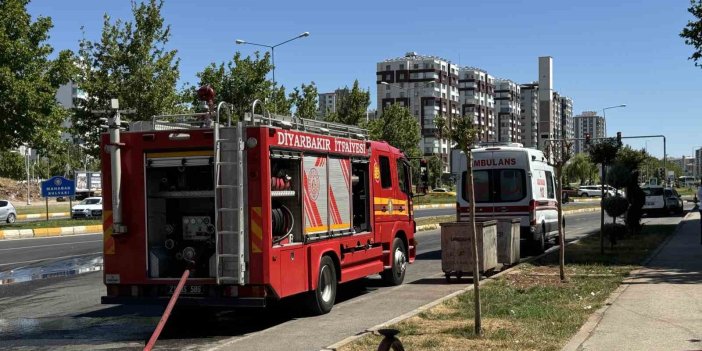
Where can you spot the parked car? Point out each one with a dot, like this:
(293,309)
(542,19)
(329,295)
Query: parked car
(8,213)
(570,191)
(88,208)
(662,200)
(443,191)
(596,190)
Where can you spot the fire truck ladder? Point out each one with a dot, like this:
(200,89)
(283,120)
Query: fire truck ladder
(229,202)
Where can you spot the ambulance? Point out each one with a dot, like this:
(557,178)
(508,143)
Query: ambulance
(510,181)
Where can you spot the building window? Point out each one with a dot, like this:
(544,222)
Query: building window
(416,66)
(387,67)
(402,66)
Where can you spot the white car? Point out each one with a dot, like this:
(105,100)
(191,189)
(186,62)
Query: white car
(89,208)
(662,200)
(8,213)
(596,190)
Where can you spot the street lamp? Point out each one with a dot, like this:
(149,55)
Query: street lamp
(272,47)
(604,115)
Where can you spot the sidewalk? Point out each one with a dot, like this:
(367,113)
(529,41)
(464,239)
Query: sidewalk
(659,307)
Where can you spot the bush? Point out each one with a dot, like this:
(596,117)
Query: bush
(615,206)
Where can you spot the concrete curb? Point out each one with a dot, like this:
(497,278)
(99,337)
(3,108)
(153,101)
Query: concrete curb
(42,215)
(424,207)
(584,333)
(48,232)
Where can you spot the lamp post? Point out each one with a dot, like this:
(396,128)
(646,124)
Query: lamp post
(602,180)
(272,47)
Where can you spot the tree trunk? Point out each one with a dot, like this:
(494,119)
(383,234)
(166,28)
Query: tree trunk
(474,241)
(561,230)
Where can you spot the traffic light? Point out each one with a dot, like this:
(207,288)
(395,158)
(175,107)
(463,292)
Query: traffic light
(619,138)
(587,139)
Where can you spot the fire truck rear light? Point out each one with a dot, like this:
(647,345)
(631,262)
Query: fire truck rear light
(179,136)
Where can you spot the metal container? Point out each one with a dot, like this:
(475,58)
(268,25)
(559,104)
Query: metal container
(508,236)
(456,252)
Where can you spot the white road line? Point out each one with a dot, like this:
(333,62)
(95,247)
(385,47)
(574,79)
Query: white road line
(50,258)
(50,237)
(49,245)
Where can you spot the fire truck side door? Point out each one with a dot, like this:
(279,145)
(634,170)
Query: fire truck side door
(384,182)
(402,191)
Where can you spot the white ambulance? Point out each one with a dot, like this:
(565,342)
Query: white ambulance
(510,181)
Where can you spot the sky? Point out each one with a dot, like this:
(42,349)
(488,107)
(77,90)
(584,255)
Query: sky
(605,53)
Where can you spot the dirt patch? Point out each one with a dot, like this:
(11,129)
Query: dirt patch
(13,190)
(535,276)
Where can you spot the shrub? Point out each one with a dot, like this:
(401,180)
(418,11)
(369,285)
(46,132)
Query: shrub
(615,206)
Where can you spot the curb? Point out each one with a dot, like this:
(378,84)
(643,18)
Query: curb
(48,232)
(42,215)
(424,207)
(584,333)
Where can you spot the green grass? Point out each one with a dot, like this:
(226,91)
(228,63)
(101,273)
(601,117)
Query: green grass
(529,308)
(435,199)
(686,191)
(41,208)
(51,223)
(435,219)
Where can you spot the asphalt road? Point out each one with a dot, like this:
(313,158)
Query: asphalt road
(65,313)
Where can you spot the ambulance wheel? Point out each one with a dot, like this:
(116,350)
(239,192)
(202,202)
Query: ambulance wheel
(394,275)
(539,244)
(321,299)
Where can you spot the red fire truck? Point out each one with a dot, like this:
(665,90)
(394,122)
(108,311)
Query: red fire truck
(260,208)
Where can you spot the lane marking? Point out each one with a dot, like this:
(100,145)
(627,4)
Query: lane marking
(49,245)
(51,258)
(50,237)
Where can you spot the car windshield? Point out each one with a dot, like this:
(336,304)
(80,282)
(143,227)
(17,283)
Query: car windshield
(90,202)
(653,191)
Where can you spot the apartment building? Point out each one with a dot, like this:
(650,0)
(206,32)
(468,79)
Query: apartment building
(477,98)
(588,122)
(508,110)
(567,116)
(67,96)
(327,104)
(427,86)
(686,164)
(529,114)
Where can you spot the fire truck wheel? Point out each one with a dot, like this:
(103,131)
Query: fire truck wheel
(321,300)
(396,273)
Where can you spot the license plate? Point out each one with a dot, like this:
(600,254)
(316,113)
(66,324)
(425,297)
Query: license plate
(187,290)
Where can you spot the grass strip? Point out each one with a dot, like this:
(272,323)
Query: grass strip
(529,308)
(51,223)
(33,209)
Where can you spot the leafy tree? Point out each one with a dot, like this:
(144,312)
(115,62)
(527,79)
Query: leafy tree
(280,103)
(305,100)
(12,165)
(435,168)
(29,79)
(130,63)
(580,168)
(604,153)
(692,33)
(240,81)
(352,105)
(464,134)
(398,127)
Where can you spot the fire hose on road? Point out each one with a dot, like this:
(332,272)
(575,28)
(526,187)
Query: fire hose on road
(167,313)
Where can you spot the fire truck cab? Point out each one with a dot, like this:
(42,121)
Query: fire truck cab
(261,208)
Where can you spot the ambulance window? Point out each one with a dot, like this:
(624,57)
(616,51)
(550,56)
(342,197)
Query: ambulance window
(549,185)
(512,185)
(385,179)
(481,186)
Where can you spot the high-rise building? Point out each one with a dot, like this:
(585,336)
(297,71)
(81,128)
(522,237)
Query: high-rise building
(67,96)
(567,117)
(686,164)
(590,123)
(698,163)
(508,110)
(327,104)
(557,126)
(477,99)
(548,120)
(427,86)
(530,114)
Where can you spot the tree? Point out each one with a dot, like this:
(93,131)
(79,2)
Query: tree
(604,153)
(558,154)
(29,79)
(435,168)
(463,133)
(129,63)
(280,103)
(305,100)
(399,128)
(580,168)
(352,105)
(12,165)
(692,33)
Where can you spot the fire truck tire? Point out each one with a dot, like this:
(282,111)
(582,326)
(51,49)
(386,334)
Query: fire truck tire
(394,275)
(321,300)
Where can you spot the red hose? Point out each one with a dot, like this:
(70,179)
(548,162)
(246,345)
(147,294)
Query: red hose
(167,312)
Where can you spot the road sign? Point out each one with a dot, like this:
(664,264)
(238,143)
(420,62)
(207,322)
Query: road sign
(58,187)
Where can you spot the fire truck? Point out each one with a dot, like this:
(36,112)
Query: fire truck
(257,208)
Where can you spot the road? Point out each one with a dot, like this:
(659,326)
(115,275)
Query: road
(65,312)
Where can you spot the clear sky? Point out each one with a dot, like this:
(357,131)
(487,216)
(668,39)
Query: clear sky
(605,52)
